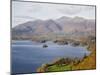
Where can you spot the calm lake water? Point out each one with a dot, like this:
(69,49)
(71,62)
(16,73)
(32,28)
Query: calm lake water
(27,56)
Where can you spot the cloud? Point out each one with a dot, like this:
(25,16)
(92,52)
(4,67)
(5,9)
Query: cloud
(75,9)
(69,9)
(25,17)
(24,8)
(25,11)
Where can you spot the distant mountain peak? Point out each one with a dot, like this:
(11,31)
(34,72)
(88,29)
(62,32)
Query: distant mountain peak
(49,20)
(38,20)
(62,24)
(64,18)
(77,17)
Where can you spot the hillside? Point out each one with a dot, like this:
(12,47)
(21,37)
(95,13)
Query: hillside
(62,25)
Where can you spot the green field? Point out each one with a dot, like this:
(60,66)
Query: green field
(59,68)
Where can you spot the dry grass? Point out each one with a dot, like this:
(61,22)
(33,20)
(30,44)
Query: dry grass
(89,62)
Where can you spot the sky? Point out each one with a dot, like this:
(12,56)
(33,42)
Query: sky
(30,11)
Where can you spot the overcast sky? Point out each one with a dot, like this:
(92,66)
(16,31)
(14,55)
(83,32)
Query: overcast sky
(27,11)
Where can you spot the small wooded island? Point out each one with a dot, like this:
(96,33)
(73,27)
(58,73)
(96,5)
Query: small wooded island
(44,46)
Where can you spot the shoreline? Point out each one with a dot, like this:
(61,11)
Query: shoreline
(45,67)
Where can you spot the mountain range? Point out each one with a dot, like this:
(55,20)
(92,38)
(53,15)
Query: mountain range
(63,24)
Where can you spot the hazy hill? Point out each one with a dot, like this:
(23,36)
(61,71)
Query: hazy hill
(76,25)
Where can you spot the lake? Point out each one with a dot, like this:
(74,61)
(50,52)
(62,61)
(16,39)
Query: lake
(27,55)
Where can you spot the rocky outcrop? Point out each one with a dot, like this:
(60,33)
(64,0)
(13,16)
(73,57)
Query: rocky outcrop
(45,46)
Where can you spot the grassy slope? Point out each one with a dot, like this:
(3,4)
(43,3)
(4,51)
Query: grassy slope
(87,63)
(59,68)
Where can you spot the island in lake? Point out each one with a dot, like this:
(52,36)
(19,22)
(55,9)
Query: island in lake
(64,43)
